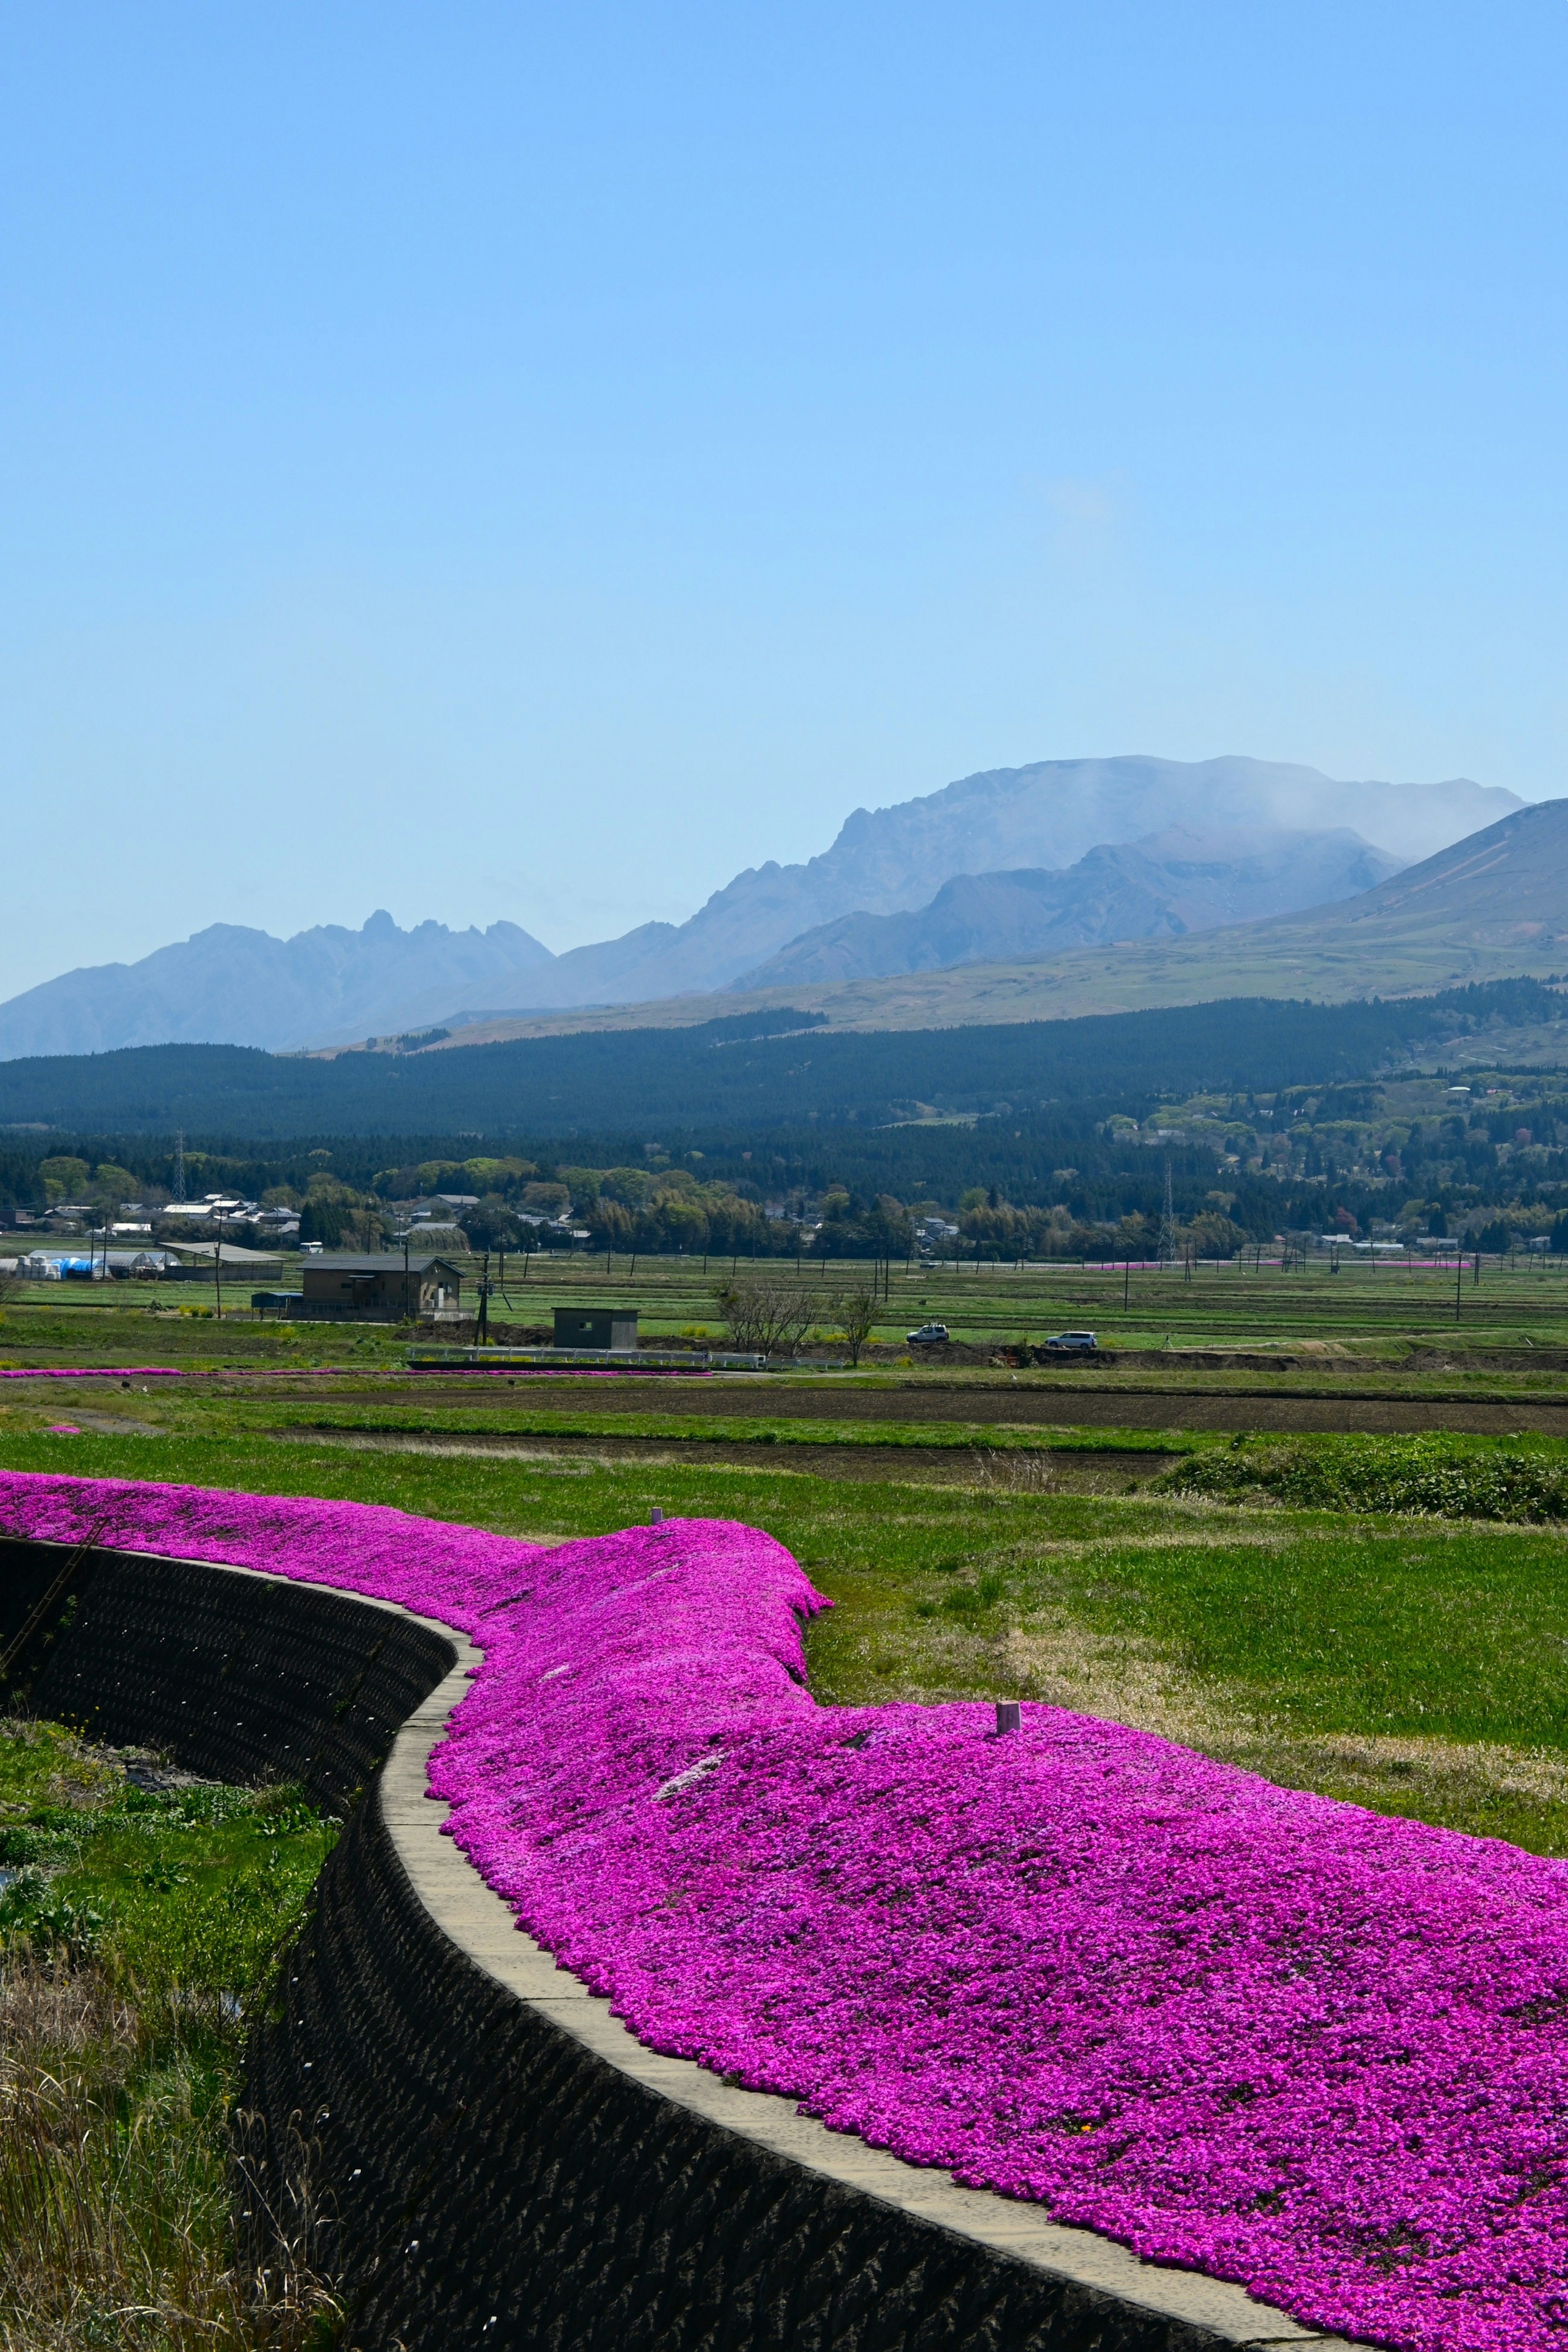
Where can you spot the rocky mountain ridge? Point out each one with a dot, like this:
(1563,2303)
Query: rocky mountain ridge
(1165,888)
(332,985)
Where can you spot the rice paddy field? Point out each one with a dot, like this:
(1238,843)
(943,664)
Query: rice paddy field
(1385,1307)
(1321,1534)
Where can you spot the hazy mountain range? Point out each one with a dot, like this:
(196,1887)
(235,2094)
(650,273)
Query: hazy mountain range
(1491,906)
(233,986)
(1047,816)
(1061,853)
(1163,887)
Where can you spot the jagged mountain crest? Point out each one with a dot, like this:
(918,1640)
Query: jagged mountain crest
(1165,888)
(232,985)
(229,984)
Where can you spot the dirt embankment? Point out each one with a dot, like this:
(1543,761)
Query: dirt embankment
(1031,1470)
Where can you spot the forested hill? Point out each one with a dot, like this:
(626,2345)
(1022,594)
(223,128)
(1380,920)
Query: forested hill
(728,1075)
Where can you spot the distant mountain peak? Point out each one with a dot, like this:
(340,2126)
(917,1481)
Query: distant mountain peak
(1165,887)
(330,984)
(231,984)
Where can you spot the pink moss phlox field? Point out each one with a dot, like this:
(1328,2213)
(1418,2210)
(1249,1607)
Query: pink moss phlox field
(89,1373)
(1273,2038)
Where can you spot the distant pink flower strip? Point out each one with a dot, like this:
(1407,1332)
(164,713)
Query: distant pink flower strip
(327,1371)
(567,1372)
(1269,2037)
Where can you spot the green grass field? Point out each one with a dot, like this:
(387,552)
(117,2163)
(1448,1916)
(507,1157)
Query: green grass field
(1410,1663)
(1388,1310)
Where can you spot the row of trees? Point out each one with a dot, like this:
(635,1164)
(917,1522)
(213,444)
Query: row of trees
(770,1316)
(676,1213)
(66,1178)
(1009,1234)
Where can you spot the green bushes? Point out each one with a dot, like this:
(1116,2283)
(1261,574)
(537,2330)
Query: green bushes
(1438,1475)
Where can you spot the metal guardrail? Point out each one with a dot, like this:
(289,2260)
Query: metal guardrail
(623,1359)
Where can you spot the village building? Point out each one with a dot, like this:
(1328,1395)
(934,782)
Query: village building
(597,1327)
(380,1287)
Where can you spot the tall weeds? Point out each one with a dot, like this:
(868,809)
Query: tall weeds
(140,1929)
(115,2225)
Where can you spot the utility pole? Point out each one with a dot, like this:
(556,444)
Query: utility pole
(179,1165)
(1458,1278)
(1167,1221)
(483,1332)
(405,1274)
(218,1266)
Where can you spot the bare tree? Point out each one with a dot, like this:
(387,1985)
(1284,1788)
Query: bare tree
(855,1311)
(765,1316)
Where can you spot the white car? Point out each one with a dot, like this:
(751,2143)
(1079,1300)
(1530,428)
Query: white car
(1075,1343)
(929,1336)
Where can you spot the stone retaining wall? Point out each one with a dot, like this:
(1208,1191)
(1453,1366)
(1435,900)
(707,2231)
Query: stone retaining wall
(242,1678)
(489,2158)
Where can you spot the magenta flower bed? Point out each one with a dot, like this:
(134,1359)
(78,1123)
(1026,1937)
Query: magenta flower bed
(89,1373)
(1270,2037)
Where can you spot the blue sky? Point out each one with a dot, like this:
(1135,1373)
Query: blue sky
(499,461)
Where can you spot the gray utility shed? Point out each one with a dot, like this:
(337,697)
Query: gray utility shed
(596,1326)
(337,1288)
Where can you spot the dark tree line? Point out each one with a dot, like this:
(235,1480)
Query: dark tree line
(726,1075)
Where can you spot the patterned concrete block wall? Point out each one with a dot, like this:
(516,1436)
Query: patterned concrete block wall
(242,1678)
(497,2184)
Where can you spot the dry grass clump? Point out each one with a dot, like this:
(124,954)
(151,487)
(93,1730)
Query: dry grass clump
(114,2184)
(1487,1787)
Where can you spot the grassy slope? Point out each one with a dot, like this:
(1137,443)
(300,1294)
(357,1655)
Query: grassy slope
(1315,959)
(1415,1665)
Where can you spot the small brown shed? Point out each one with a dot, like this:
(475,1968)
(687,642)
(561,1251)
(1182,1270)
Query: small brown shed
(599,1328)
(381,1286)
